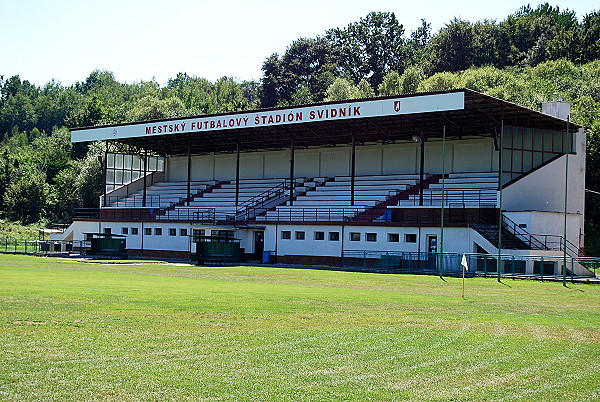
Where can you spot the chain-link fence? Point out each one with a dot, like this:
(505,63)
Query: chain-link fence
(450,264)
(47,247)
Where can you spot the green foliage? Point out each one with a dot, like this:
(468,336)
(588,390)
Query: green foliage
(391,84)
(411,79)
(452,48)
(153,108)
(439,82)
(26,196)
(308,63)
(341,89)
(14,230)
(371,47)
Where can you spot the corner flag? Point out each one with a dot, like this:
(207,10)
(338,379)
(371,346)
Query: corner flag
(465,267)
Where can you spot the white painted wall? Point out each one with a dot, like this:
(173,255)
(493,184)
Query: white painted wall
(400,158)
(473,156)
(544,191)
(308,246)
(152,242)
(550,223)
(307,163)
(372,159)
(456,240)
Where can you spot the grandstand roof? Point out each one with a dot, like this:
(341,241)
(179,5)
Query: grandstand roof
(463,112)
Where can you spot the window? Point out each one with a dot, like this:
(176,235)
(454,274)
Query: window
(286,234)
(410,238)
(300,235)
(393,237)
(148,231)
(334,236)
(124,231)
(198,232)
(182,232)
(134,231)
(107,230)
(371,236)
(223,233)
(354,236)
(319,235)
(158,231)
(172,232)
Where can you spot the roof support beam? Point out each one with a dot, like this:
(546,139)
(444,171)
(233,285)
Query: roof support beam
(352,170)
(292,162)
(237,175)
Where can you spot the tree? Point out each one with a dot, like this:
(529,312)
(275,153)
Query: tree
(364,90)
(371,47)
(26,196)
(589,38)
(411,79)
(452,48)
(341,89)
(439,82)
(153,108)
(417,45)
(309,63)
(391,84)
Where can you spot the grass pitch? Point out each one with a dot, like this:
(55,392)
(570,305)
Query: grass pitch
(76,331)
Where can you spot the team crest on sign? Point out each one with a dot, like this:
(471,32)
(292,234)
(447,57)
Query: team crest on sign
(397,106)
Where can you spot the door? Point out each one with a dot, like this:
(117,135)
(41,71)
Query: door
(259,245)
(432,244)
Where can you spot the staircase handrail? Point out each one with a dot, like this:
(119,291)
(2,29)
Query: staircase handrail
(572,249)
(257,202)
(522,234)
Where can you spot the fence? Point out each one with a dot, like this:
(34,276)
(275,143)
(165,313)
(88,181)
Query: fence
(46,247)
(479,264)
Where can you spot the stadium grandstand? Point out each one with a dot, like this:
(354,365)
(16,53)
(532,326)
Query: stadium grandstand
(453,171)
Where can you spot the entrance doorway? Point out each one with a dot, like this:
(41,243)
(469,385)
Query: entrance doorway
(432,244)
(259,245)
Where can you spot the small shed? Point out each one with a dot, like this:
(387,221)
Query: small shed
(106,245)
(216,250)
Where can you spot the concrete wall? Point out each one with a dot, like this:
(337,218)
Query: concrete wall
(544,191)
(456,240)
(372,159)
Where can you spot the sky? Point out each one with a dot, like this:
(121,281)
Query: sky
(137,40)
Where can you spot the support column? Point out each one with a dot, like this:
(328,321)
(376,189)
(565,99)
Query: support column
(352,170)
(499,259)
(145,173)
(189,175)
(292,162)
(564,270)
(104,169)
(237,174)
(422,168)
(441,263)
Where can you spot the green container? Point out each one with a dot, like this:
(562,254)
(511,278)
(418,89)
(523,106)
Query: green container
(216,250)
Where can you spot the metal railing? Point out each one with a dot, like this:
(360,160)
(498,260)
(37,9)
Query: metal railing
(43,247)
(258,204)
(542,267)
(301,214)
(539,241)
(454,198)
(116,214)
(529,239)
(137,201)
